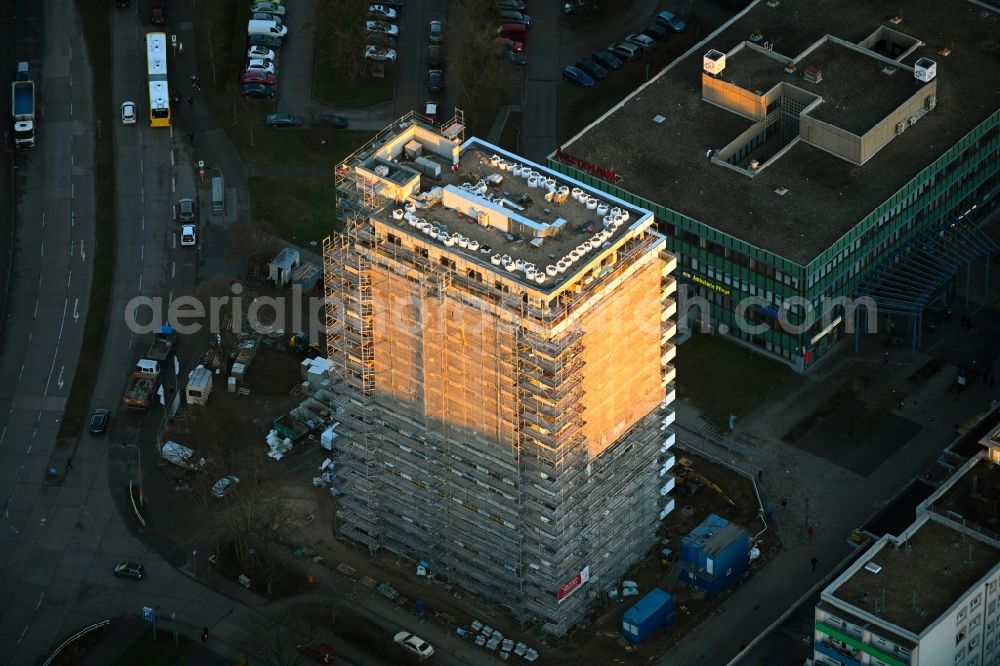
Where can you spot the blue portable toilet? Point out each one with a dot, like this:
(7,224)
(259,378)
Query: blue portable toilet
(647,615)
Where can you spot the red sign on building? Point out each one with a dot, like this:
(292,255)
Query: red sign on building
(584,165)
(573,585)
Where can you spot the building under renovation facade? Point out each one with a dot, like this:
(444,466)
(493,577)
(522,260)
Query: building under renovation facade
(501,337)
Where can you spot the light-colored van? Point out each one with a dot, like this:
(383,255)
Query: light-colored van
(266,28)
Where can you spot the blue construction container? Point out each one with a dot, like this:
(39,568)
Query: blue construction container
(714,554)
(647,615)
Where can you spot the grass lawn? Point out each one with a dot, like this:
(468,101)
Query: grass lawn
(261,145)
(296,209)
(159,652)
(721,377)
(330,83)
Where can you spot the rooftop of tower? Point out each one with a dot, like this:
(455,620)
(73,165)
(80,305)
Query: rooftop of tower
(505,213)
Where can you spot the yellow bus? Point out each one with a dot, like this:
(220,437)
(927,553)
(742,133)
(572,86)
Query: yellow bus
(156,68)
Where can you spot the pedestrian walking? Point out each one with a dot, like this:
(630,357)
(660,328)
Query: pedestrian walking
(784,503)
(191,137)
(204,635)
(770,513)
(814,561)
(809,531)
(180,47)
(885,358)
(760,475)
(191,101)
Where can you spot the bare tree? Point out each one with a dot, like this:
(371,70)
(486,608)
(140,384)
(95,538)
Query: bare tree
(273,643)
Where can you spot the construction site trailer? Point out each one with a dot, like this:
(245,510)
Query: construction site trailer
(199,386)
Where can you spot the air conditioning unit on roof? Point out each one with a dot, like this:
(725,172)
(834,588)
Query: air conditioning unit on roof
(901,127)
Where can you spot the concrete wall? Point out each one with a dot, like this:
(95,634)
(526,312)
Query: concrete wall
(885,131)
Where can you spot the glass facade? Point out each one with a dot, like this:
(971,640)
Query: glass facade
(723,270)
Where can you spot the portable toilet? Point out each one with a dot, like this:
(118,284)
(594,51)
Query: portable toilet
(653,611)
(199,386)
(218,196)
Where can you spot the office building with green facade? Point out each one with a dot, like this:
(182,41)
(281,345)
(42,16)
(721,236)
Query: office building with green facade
(802,156)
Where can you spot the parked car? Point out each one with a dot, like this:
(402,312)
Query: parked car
(279,120)
(398,4)
(626,50)
(435,80)
(267,8)
(321,653)
(259,65)
(435,58)
(187,210)
(99,421)
(435,31)
(270,41)
(259,77)
(128,113)
(375,53)
(123,4)
(382,12)
(259,91)
(592,69)
(656,32)
(431,111)
(577,77)
(414,645)
(129,570)
(225,485)
(379,26)
(260,52)
(378,39)
(511,5)
(157,15)
(508,16)
(510,44)
(668,20)
(330,120)
(608,60)
(516,31)
(645,42)
(189,237)
(514,57)
(264,16)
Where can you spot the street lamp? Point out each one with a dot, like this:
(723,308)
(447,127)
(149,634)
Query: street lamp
(139,452)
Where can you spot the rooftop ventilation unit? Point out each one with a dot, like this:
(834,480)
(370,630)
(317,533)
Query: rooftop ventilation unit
(924,69)
(874,568)
(714,62)
(812,74)
(658,119)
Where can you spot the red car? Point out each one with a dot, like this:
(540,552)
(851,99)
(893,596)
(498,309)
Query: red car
(321,653)
(259,77)
(157,15)
(516,47)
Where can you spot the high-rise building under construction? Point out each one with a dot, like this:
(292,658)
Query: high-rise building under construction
(501,338)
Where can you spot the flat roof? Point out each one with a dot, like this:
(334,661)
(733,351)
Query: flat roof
(937,563)
(564,226)
(970,498)
(666,162)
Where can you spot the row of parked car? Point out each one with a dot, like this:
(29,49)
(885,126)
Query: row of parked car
(265,32)
(588,71)
(382,30)
(513,30)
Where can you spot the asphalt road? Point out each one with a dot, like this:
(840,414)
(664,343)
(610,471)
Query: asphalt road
(411,70)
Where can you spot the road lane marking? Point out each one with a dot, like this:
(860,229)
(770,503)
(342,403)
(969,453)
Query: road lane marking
(43,248)
(76,310)
(69,277)
(25,628)
(60,380)
(39,604)
(171,158)
(36,309)
(72,185)
(55,355)
(19,375)
(142,193)
(174,237)
(140,283)
(83,255)
(142,167)
(4,433)
(43,220)
(72,219)
(142,253)
(143,218)
(173,268)
(173,183)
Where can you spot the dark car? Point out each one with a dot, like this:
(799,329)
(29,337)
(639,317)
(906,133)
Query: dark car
(608,60)
(435,59)
(511,56)
(435,80)
(514,17)
(380,39)
(330,120)
(187,211)
(577,77)
(281,120)
(99,421)
(270,41)
(129,570)
(668,20)
(656,32)
(436,32)
(595,71)
(259,91)
(259,77)
(157,15)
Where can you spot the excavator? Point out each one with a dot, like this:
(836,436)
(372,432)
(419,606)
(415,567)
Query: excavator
(684,471)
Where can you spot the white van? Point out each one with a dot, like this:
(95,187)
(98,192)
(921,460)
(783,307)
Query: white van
(272,28)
